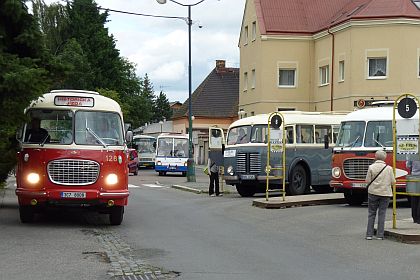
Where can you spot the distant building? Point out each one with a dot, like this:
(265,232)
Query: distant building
(214,102)
(318,55)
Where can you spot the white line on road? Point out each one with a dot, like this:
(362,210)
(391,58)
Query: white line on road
(147,185)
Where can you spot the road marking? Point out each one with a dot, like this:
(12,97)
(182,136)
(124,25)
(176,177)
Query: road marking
(133,186)
(153,186)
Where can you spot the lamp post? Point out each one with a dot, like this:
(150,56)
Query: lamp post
(190,162)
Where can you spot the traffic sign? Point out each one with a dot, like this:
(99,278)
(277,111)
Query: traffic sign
(361,103)
(407,107)
(275,121)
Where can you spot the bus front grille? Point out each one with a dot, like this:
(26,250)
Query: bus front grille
(357,168)
(248,163)
(73,172)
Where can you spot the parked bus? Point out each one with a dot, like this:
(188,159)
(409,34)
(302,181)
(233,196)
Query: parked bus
(362,133)
(73,153)
(171,153)
(307,159)
(145,146)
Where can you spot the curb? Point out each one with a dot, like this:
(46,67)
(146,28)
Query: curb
(301,200)
(407,231)
(187,189)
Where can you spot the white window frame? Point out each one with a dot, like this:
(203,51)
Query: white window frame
(245,81)
(294,77)
(254,31)
(245,35)
(324,75)
(341,70)
(253,79)
(369,59)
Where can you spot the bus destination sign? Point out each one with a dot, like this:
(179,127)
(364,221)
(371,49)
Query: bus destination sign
(74,101)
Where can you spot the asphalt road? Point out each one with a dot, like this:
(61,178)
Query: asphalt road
(182,235)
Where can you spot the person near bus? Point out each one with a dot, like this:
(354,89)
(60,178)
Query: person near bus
(214,177)
(414,167)
(36,134)
(380,179)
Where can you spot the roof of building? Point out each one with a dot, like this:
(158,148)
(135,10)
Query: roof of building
(216,97)
(311,16)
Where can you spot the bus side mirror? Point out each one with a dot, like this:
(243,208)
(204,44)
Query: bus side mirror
(326,142)
(223,148)
(129,136)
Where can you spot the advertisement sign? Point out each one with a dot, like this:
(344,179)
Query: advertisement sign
(407,145)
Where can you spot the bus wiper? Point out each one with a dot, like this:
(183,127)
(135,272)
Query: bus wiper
(44,140)
(351,145)
(96,136)
(379,143)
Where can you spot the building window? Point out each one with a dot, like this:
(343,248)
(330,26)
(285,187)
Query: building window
(377,67)
(252,113)
(287,77)
(324,75)
(246,35)
(253,78)
(245,81)
(341,70)
(254,31)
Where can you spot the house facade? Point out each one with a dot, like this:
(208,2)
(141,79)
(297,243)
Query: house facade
(214,103)
(316,55)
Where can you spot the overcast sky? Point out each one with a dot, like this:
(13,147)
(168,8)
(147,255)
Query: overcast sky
(159,46)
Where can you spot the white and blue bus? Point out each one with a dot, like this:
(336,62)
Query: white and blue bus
(308,161)
(171,153)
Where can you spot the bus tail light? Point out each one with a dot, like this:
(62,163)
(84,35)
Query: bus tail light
(336,172)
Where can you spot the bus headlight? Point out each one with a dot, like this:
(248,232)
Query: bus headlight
(159,163)
(33,178)
(229,170)
(336,172)
(111,179)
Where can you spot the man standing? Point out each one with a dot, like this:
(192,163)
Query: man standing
(214,177)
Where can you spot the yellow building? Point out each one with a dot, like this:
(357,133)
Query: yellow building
(317,55)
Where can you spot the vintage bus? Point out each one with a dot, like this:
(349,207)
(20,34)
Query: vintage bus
(73,153)
(145,146)
(171,153)
(362,133)
(307,158)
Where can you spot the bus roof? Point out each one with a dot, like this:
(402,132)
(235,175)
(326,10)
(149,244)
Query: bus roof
(374,114)
(173,135)
(293,117)
(92,101)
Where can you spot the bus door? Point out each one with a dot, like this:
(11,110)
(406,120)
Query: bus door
(216,145)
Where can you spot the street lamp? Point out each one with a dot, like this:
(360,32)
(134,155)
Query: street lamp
(190,162)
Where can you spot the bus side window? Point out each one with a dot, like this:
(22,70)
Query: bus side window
(289,135)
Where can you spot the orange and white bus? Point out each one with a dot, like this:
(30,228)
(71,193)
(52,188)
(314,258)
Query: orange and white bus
(361,134)
(73,153)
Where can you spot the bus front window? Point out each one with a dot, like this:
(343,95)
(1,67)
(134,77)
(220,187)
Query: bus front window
(165,147)
(239,135)
(181,147)
(351,134)
(379,134)
(259,134)
(92,128)
(49,127)
(145,145)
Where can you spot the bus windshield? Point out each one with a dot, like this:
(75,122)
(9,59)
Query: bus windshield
(172,147)
(145,145)
(49,127)
(239,135)
(351,134)
(379,134)
(93,128)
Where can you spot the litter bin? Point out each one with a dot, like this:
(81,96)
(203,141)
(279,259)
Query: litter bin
(413,187)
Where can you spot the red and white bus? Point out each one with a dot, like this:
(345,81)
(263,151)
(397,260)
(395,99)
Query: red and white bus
(73,153)
(361,134)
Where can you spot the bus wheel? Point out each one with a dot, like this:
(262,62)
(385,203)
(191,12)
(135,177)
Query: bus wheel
(299,181)
(116,215)
(26,214)
(322,189)
(245,190)
(354,199)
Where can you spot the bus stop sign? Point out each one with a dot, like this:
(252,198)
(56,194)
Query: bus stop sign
(275,121)
(407,107)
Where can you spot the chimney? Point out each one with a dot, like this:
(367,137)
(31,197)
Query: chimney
(220,66)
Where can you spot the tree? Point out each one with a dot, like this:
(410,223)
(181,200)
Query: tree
(162,109)
(23,74)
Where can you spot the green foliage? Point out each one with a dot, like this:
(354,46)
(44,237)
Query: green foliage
(23,74)
(162,109)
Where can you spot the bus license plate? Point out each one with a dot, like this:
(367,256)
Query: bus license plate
(248,177)
(73,195)
(359,185)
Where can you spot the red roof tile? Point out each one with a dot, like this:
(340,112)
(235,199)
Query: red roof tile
(311,16)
